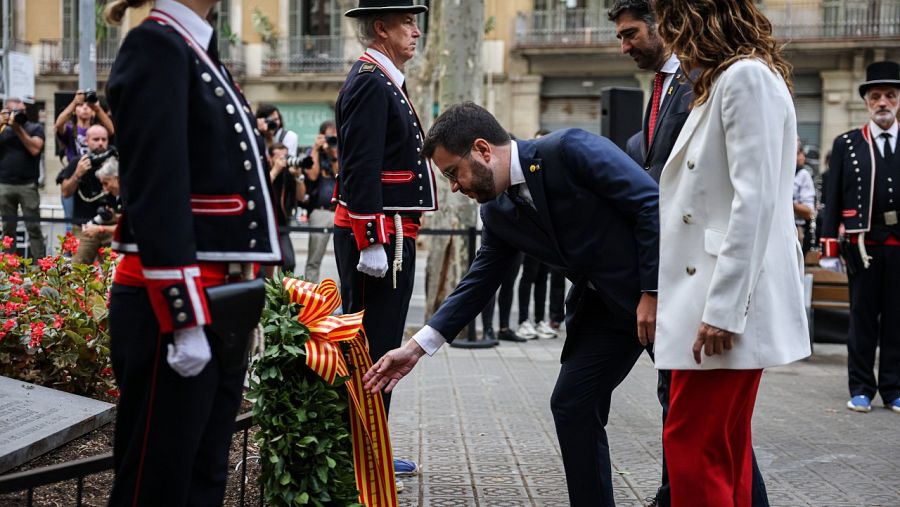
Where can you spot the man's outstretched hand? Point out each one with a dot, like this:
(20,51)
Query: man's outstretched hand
(392,367)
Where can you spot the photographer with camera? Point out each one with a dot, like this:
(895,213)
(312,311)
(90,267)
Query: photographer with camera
(320,185)
(78,179)
(270,124)
(21,143)
(104,222)
(288,189)
(71,130)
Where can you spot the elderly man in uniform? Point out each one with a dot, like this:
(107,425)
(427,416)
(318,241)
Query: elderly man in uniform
(385,183)
(862,196)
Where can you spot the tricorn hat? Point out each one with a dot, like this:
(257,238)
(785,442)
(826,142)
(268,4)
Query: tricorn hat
(384,6)
(881,73)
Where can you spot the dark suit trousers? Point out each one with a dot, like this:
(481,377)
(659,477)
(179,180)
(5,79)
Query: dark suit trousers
(557,296)
(503,298)
(601,348)
(385,306)
(874,322)
(172,433)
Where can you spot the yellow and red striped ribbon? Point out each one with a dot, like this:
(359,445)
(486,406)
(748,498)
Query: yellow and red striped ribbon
(372,454)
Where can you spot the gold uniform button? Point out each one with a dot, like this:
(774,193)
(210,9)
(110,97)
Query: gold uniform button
(238,128)
(181,317)
(230,108)
(178,303)
(251,205)
(253,225)
(247,165)
(174,292)
(243,146)
(219,91)
(252,243)
(206,77)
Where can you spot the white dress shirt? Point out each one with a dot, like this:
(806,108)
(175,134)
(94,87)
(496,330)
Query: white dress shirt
(197,27)
(428,337)
(388,65)
(879,141)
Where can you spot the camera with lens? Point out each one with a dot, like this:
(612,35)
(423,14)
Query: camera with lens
(18,116)
(90,96)
(332,141)
(272,126)
(105,216)
(97,159)
(304,162)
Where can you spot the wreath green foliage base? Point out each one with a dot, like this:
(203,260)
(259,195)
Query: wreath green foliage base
(306,453)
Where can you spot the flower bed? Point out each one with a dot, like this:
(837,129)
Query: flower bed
(53,321)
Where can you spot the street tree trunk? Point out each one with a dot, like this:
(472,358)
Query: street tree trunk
(459,78)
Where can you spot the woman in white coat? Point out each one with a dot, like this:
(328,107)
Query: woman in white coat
(730,292)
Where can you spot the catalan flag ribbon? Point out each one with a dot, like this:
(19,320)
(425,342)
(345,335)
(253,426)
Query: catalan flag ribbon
(372,454)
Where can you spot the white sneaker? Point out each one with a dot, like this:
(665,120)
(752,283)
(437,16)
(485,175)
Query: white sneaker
(526,330)
(544,330)
(399,485)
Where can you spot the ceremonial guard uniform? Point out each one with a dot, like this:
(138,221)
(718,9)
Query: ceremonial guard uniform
(198,212)
(384,186)
(863,196)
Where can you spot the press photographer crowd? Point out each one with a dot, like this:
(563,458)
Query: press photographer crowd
(302,177)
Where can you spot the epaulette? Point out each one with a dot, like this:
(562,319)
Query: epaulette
(367,67)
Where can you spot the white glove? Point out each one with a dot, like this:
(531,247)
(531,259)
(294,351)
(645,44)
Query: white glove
(373,261)
(190,352)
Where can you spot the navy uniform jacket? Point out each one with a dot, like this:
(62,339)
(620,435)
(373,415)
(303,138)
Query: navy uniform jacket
(672,114)
(383,171)
(597,221)
(194,179)
(850,187)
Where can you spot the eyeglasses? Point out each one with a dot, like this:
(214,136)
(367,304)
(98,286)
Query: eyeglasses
(450,173)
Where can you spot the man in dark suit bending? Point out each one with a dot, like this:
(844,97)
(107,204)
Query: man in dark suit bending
(576,202)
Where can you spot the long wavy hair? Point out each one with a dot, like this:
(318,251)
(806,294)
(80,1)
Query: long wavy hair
(710,35)
(115,9)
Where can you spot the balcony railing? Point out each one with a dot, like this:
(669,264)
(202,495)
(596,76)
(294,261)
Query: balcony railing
(307,53)
(564,27)
(232,56)
(792,20)
(60,56)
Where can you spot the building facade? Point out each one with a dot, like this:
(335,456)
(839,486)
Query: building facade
(545,61)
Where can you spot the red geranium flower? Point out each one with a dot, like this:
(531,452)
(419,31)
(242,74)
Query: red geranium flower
(9,324)
(15,279)
(70,245)
(113,392)
(46,263)
(7,241)
(57,322)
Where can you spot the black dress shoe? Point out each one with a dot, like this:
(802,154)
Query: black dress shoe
(488,334)
(510,336)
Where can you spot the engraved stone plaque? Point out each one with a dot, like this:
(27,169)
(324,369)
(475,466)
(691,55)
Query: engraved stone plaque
(35,419)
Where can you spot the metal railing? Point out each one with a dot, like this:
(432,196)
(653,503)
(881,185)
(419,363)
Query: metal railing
(60,56)
(792,20)
(233,56)
(307,53)
(78,470)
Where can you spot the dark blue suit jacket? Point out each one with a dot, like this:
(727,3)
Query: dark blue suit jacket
(597,220)
(672,114)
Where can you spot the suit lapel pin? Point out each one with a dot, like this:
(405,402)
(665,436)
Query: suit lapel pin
(534,168)
(671,89)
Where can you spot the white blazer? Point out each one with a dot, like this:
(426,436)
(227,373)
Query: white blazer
(729,254)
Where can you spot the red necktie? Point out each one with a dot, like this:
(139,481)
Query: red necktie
(654,105)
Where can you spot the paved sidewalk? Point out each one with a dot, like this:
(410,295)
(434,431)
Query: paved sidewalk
(479,422)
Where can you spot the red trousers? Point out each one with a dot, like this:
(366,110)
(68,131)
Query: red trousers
(707,437)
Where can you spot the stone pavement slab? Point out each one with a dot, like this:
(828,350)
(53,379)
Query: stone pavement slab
(479,423)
